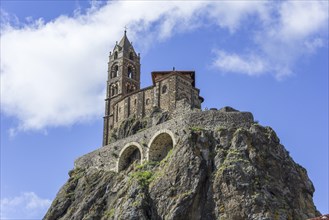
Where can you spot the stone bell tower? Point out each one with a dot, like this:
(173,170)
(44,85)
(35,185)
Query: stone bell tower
(123,78)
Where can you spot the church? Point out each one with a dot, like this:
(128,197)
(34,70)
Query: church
(125,98)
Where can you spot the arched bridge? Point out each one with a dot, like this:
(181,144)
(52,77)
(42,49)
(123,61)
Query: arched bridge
(154,143)
(157,148)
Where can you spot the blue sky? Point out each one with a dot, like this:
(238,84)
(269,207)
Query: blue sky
(266,57)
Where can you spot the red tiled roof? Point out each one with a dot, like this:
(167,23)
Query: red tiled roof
(168,73)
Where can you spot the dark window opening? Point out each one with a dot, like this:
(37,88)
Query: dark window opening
(130,72)
(115,71)
(164,89)
(115,55)
(130,88)
(131,56)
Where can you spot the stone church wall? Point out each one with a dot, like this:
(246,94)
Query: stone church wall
(164,95)
(148,100)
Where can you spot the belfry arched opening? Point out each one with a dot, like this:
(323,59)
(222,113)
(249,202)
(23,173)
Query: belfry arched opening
(129,155)
(160,147)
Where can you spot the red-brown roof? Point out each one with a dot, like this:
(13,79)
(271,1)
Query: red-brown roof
(180,72)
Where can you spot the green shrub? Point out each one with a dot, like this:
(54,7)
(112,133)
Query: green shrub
(144,178)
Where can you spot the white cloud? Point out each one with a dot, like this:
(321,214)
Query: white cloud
(250,64)
(25,206)
(231,14)
(53,73)
(300,19)
(287,31)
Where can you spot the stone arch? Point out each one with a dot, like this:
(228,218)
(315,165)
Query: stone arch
(114,70)
(160,144)
(130,153)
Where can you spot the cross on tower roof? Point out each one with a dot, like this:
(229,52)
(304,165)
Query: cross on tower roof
(125,29)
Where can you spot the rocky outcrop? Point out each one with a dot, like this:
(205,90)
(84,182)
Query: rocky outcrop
(223,173)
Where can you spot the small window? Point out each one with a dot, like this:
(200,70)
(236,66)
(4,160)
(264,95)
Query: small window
(114,90)
(130,72)
(115,71)
(147,101)
(128,88)
(115,55)
(135,102)
(164,89)
(131,56)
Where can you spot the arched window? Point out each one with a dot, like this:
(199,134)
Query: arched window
(115,71)
(115,55)
(130,72)
(128,88)
(164,89)
(147,101)
(116,89)
(131,56)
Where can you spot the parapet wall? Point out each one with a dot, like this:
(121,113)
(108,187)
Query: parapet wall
(107,157)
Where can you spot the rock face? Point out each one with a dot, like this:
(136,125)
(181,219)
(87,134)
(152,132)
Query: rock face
(233,172)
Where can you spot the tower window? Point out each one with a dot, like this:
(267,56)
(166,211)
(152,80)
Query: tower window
(115,55)
(130,72)
(114,90)
(128,88)
(131,56)
(147,101)
(115,71)
(164,89)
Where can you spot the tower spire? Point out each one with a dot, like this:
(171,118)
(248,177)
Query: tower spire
(123,78)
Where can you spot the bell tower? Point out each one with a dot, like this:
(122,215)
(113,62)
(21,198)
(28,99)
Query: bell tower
(123,78)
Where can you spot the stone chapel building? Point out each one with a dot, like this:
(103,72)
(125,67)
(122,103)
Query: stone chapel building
(125,98)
